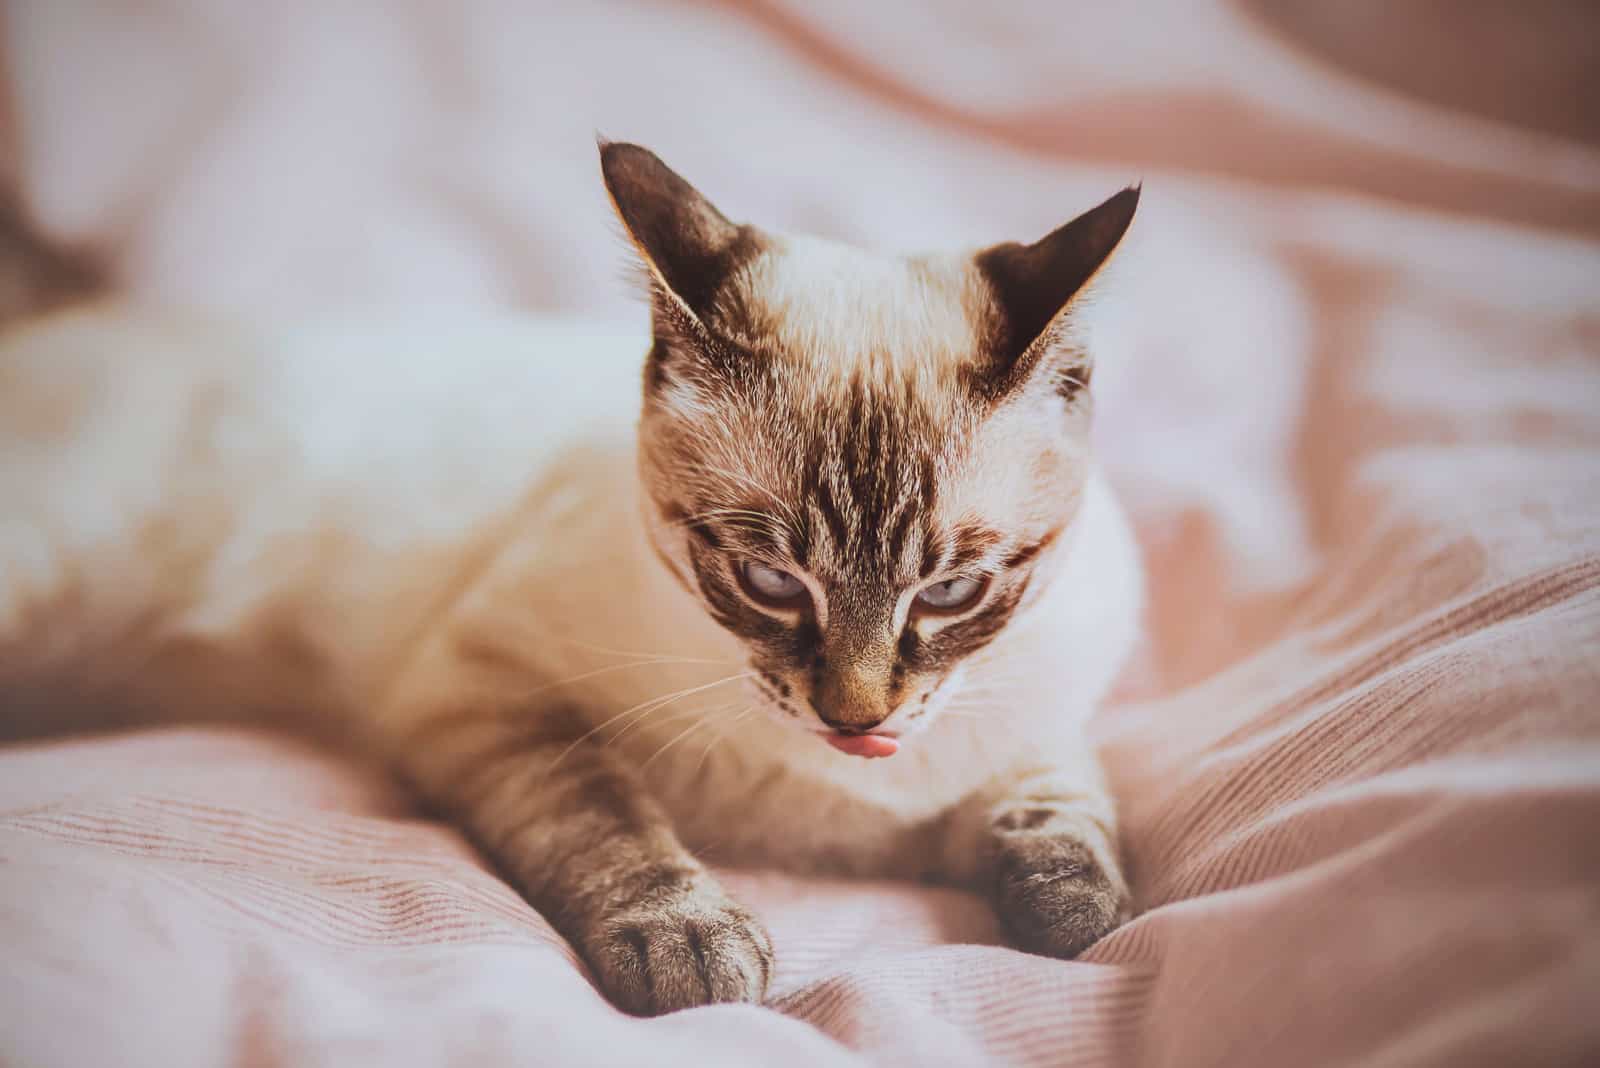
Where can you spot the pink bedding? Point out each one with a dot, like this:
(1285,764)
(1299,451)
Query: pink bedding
(1359,761)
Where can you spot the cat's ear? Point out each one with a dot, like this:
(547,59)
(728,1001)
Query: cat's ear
(689,246)
(1033,286)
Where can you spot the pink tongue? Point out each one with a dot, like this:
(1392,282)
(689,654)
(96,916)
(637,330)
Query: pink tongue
(864,745)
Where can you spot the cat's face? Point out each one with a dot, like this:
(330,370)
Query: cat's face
(860,465)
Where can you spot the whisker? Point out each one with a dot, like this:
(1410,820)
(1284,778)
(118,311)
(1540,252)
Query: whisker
(675,698)
(690,729)
(715,712)
(643,709)
(662,657)
(557,684)
(721,736)
(680,716)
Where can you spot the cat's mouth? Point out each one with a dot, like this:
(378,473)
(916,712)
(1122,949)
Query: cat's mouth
(870,746)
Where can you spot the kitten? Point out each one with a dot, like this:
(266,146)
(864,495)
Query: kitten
(857,519)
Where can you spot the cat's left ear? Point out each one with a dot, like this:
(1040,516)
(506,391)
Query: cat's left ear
(1033,286)
(689,246)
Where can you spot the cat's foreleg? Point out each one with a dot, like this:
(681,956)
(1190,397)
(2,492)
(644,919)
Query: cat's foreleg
(1043,844)
(593,852)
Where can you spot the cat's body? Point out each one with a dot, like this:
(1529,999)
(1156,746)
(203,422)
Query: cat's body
(203,522)
(434,540)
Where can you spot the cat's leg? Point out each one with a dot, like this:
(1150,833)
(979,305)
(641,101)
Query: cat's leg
(1042,842)
(593,852)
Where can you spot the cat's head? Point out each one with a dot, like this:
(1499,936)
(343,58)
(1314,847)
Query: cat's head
(859,464)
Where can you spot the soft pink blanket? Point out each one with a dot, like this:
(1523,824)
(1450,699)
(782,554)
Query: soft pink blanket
(1359,761)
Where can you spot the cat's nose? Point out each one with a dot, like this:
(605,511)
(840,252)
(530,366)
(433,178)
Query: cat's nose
(851,702)
(848,727)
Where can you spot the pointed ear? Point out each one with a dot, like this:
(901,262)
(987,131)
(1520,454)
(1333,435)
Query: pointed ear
(688,245)
(1032,286)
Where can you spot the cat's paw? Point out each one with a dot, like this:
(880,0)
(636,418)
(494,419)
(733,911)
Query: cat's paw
(679,948)
(1054,896)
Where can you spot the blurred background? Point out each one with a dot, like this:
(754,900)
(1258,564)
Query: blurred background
(319,154)
(1336,195)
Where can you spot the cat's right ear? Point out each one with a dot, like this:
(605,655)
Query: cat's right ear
(1034,286)
(690,248)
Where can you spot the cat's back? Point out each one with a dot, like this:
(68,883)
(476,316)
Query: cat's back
(345,402)
(204,498)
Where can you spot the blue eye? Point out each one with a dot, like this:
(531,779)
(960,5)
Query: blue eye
(769,584)
(952,595)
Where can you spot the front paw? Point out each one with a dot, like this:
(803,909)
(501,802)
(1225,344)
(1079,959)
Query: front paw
(681,947)
(1054,895)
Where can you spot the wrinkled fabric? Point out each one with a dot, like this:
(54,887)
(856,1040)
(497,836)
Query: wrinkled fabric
(1350,386)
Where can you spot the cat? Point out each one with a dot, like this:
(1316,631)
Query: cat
(837,598)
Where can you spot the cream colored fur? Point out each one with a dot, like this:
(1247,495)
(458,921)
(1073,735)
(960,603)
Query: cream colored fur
(344,525)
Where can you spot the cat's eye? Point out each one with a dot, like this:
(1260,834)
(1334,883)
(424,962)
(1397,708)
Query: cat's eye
(951,595)
(770,585)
